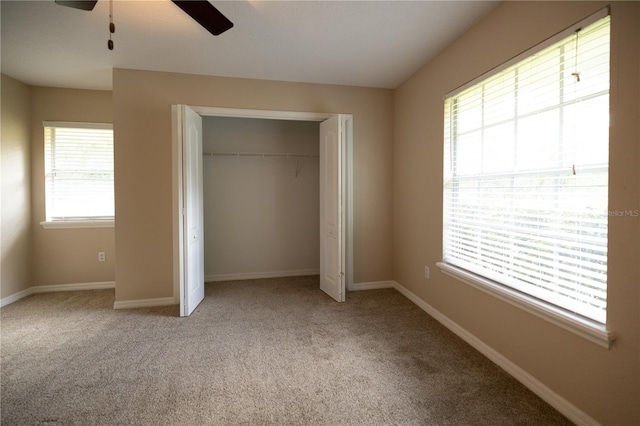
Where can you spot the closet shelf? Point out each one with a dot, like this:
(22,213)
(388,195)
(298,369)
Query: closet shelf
(260,154)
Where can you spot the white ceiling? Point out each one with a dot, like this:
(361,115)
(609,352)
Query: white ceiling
(360,43)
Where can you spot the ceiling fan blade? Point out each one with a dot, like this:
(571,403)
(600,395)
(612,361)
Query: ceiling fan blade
(206,15)
(78,4)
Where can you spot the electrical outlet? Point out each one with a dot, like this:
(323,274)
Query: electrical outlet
(102,257)
(426,272)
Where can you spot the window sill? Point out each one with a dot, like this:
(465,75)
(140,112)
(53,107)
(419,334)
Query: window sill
(69,224)
(590,330)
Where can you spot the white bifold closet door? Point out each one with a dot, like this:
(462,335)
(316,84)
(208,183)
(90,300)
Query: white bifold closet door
(193,211)
(332,208)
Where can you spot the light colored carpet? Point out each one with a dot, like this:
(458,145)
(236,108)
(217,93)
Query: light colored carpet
(274,351)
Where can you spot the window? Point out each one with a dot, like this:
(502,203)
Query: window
(526,175)
(79,174)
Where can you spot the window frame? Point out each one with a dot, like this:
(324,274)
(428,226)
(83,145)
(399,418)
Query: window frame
(80,222)
(591,330)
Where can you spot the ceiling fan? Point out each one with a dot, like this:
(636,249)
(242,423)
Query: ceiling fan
(201,11)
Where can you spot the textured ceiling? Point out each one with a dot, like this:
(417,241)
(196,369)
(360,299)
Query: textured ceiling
(361,43)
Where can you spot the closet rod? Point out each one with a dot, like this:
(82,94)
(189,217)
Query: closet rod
(260,154)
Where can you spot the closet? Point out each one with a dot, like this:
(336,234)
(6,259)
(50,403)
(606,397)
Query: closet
(261,198)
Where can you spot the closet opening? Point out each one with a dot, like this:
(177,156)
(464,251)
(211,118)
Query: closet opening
(261,194)
(261,185)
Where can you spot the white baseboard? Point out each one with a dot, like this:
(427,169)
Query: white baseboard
(15,297)
(73,287)
(569,410)
(372,285)
(36,289)
(144,303)
(259,275)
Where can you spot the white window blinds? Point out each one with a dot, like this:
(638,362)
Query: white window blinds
(526,174)
(78,171)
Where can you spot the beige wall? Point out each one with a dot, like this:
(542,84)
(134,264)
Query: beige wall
(66,256)
(603,383)
(15,267)
(142,120)
(260,217)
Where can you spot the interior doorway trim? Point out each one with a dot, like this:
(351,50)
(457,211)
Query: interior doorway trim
(257,114)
